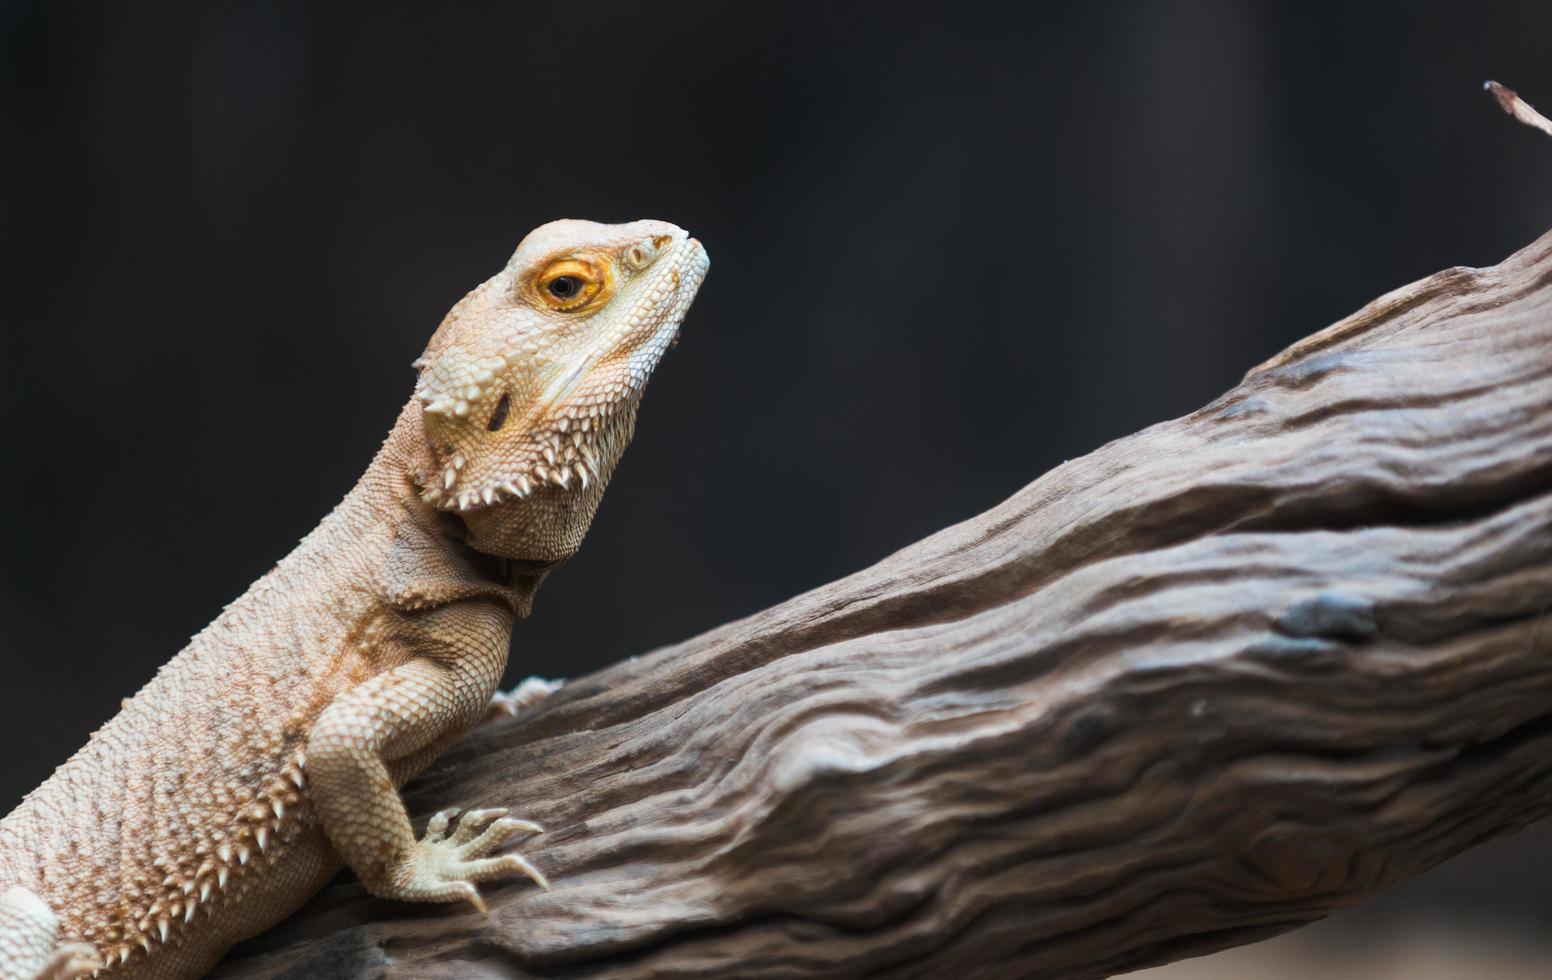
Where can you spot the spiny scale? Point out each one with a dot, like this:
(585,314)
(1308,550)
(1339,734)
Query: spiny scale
(222,867)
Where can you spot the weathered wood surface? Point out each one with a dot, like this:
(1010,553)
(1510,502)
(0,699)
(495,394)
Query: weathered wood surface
(1208,683)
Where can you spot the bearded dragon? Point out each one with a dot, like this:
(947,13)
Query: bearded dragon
(230,788)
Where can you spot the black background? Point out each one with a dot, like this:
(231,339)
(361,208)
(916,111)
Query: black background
(952,245)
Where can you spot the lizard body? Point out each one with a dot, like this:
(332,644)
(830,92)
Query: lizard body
(230,788)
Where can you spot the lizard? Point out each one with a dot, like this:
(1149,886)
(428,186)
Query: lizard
(271,749)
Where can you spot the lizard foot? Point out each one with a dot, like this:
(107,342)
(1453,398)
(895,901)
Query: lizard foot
(444,868)
(27,941)
(71,960)
(505,704)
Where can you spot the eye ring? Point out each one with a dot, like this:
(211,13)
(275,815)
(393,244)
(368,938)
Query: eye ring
(640,255)
(574,283)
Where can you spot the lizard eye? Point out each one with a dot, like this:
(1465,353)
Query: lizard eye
(571,284)
(640,255)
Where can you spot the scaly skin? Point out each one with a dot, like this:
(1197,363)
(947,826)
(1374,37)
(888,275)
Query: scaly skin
(230,788)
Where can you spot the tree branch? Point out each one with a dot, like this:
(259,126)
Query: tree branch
(1509,100)
(1206,684)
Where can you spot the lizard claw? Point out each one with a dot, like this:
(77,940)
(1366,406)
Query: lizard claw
(445,868)
(471,895)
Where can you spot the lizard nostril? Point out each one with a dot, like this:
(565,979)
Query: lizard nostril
(498,418)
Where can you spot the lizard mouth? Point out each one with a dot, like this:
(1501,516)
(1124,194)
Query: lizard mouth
(571,437)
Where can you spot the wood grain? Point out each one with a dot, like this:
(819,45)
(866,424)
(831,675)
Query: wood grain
(1203,685)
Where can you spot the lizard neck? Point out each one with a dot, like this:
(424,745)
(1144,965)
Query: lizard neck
(427,560)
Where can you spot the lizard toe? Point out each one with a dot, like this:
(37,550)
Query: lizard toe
(436,828)
(497,834)
(473,821)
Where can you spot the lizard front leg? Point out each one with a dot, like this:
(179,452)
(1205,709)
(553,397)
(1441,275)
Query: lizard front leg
(388,727)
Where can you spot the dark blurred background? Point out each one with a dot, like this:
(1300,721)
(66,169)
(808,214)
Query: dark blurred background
(953,245)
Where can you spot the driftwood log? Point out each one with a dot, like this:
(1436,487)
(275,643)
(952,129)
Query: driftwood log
(1206,684)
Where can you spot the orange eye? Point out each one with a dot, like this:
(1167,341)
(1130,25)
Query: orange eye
(572,284)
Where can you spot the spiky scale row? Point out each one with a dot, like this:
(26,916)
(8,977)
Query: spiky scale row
(569,450)
(223,865)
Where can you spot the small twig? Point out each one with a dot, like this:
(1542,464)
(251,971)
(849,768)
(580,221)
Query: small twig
(1517,107)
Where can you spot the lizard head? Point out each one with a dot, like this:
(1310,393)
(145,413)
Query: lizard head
(529,388)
